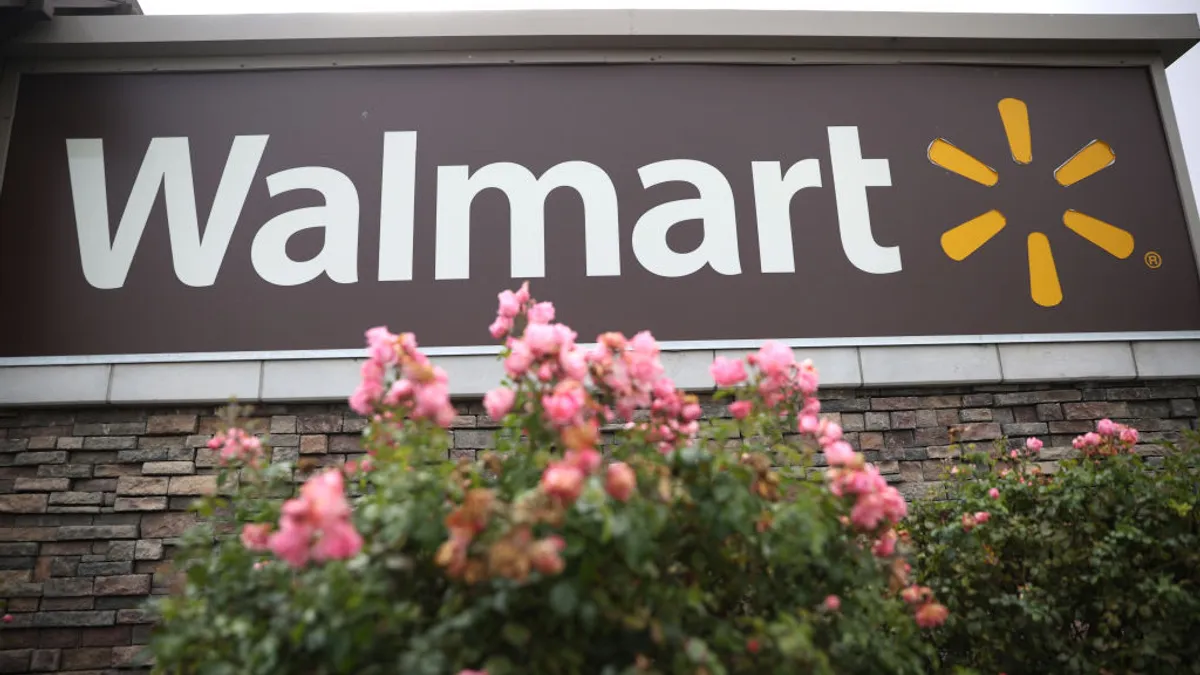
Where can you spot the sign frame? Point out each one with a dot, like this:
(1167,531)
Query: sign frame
(192,44)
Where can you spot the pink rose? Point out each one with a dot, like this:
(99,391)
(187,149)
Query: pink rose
(256,536)
(982,517)
(498,402)
(562,407)
(832,603)
(620,481)
(573,363)
(994,493)
(563,481)
(542,312)
(381,345)
(510,305)
(586,460)
(775,359)
(727,372)
(290,543)
(523,293)
(544,555)
(839,453)
(339,541)
(401,390)
(886,544)
(931,615)
(519,359)
(1014,454)
(740,409)
(500,327)
(809,424)
(644,343)
(1129,435)
(541,338)
(830,432)
(1106,427)
(1033,444)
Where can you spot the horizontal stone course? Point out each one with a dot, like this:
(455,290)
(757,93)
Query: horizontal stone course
(93,501)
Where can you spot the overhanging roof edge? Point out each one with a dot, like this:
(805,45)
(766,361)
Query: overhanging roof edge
(1169,35)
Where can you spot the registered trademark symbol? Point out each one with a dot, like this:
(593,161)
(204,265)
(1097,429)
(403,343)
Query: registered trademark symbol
(1153,260)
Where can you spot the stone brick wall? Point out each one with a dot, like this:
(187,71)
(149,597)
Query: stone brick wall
(91,500)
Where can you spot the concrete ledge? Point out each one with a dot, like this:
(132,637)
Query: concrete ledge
(36,385)
(315,380)
(689,370)
(184,382)
(1034,362)
(332,379)
(945,364)
(471,375)
(1167,359)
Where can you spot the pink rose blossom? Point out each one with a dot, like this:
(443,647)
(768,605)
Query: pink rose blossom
(519,359)
(982,517)
(586,460)
(291,543)
(256,536)
(381,345)
(541,338)
(523,293)
(1033,444)
(885,545)
(542,312)
(774,358)
(809,424)
(498,402)
(1014,454)
(830,432)
(620,481)
(510,305)
(500,327)
(832,603)
(740,409)
(1106,427)
(563,405)
(931,615)
(338,541)
(544,555)
(994,493)
(727,372)
(563,481)
(1129,435)
(322,512)
(644,343)
(573,364)
(839,453)
(400,391)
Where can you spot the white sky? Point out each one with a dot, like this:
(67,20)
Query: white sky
(1183,76)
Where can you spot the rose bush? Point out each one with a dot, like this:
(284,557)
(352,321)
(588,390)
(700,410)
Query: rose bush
(1094,568)
(681,548)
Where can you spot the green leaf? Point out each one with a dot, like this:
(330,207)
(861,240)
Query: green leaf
(563,598)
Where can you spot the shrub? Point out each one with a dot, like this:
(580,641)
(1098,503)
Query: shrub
(683,551)
(1094,568)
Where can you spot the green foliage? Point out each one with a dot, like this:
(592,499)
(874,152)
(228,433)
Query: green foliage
(1092,569)
(695,573)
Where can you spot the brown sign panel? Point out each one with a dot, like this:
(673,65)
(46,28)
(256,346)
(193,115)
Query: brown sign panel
(263,211)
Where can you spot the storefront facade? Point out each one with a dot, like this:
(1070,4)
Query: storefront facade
(978,227)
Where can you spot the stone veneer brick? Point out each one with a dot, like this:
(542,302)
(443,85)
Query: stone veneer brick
(91,500)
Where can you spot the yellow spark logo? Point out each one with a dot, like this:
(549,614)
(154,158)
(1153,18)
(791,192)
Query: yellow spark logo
(963,240)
